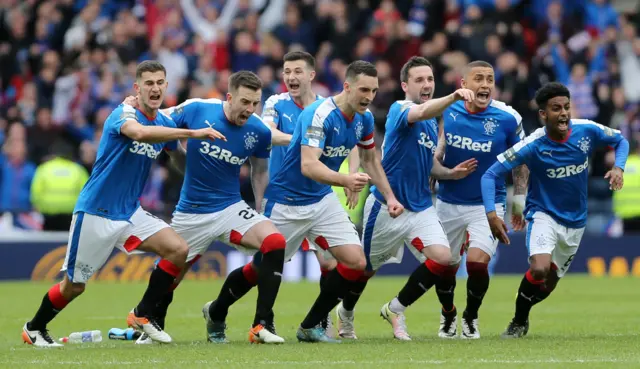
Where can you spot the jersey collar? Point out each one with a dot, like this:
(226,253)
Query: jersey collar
(565,139)
(479,111)
(346,117)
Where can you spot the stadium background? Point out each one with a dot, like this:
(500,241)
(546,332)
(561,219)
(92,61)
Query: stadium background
(65,64)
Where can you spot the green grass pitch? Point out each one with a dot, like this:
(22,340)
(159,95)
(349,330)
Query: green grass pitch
(587,322)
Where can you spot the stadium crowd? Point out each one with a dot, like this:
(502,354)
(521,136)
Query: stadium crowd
(67,63)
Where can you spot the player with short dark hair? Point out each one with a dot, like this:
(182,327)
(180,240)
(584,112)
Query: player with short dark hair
(411,132)
(108,213)
(480,129)
(556,208)
(281,113)
(210,206)
(300,200)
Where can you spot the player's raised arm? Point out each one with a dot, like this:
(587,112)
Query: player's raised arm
(312,167)
(270,117)
(440,172)
(605,136)
(434,108)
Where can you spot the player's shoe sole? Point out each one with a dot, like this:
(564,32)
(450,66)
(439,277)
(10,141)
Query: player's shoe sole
(259,334)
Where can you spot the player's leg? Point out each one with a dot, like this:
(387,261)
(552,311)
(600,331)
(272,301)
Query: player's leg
(147,233)
(271,243)
(327,263)
(427,237)
(91,240)
(552,249)
(454,221)
(482,247)
(333,231)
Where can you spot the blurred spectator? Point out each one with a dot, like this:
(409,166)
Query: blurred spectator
(67,63)
(56,186)
(16,171)
(627,199)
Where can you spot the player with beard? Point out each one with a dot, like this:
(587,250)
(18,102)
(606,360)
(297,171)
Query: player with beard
(556,209)
(480,129)
(411,132)
(108,213)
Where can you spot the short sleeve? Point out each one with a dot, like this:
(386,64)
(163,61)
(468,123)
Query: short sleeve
(314,128)
(184,113)
(398,117)
(122,114)
(366,141)
(604,135)
(517,155)
(269,112)
(263,149)
(517,133)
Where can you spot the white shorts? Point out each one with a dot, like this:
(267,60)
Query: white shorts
(324,223)
(384,237)
(460,220)
(92,239)
(546,236)
(228,225)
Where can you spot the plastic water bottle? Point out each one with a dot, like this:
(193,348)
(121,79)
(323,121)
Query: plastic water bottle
(83,337)
(128,334)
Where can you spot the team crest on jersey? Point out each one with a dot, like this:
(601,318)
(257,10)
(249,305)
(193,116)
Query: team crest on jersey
(359,128)
(490,126)
(584,144)
(250,140)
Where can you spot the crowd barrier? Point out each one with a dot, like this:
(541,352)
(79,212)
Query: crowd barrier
(39,256)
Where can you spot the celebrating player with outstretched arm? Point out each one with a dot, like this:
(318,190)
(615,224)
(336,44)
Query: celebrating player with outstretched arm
(480,129)
(407,158)
(210,206)
(556,209)
(108,212)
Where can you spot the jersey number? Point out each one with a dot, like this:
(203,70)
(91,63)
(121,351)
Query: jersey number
(247,214)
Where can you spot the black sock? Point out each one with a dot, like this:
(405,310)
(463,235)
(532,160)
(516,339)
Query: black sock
(477,286)
(352,296)
(420,281)
(47,311)
(235,286)
(445,289)
(160,282)
(269,279)
(529,294)
(330,294)
(162,308)
(323,279)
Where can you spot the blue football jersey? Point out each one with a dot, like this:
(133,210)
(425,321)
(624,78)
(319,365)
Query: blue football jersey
(482,135)
(560,170)
(121,168)
(283,111)
(407,157)
(212,174)
(321,125)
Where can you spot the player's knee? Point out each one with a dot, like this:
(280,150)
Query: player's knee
(273,242)
(76,289)
(179,252)
(539,272)
(477,269)
(439,254)
(359,264)
(327,265)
